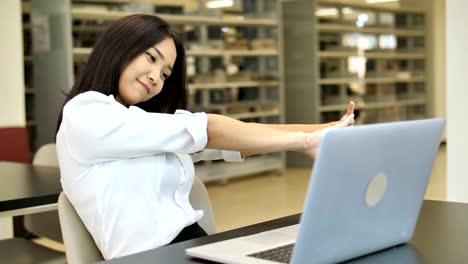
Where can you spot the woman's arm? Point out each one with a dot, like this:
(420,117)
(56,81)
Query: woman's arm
(309,128)
(297,127)
(254,138)
(96,128)
(231,134)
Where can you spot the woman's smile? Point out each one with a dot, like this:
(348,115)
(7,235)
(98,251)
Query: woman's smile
(147,89)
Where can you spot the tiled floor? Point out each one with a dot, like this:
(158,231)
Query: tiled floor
(255,199)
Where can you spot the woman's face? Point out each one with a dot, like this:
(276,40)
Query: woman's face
(144,77)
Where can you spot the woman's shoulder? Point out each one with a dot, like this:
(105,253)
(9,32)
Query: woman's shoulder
(90,103)
(90,97)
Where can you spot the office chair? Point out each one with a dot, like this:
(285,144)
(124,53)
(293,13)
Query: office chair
(79,244)
(201,201)
(15,144)
(46,155)
(45,224)
(20,250)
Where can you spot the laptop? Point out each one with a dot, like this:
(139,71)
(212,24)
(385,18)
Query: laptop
(367,188)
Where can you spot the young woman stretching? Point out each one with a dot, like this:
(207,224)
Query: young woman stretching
(126,152)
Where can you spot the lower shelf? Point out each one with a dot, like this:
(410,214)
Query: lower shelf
(225,170)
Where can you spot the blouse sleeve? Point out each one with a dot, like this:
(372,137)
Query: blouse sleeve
(97,128)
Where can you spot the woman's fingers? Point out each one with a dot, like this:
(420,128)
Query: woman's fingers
(350,109)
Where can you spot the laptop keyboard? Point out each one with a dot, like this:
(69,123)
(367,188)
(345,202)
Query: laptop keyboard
(280,254)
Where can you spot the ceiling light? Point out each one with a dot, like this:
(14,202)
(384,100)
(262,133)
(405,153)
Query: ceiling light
(363,17)
(326,12)
(347,10)
(219,3)
(380,1)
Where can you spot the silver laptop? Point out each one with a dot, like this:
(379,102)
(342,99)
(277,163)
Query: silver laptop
(367,188)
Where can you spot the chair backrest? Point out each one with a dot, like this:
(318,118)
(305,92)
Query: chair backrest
(201,201)
(45,224)
(46,155)
(14,144)
(79,245)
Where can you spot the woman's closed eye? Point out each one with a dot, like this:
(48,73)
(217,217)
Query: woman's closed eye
(164,76)
(151,57)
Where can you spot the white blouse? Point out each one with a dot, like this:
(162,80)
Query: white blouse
(128,173)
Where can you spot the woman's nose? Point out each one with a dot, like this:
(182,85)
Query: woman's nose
(154,76)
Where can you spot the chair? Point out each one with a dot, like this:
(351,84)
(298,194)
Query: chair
(46,155)
(15,144)
(201,201)
(80,246)
(45,224)
(20,250)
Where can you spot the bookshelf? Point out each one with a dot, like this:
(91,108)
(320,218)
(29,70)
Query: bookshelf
(374,55)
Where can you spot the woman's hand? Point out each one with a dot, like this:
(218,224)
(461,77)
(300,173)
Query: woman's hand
(312,140)
(349,111)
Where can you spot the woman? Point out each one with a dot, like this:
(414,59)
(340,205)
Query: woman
(126,153)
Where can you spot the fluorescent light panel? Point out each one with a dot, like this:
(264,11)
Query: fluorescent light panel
(219,3)
(380,1)
(327,12)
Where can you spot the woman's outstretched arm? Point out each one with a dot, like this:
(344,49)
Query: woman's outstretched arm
(254,138)
(231,134)
(309,128)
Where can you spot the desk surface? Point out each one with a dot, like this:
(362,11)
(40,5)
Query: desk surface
(441,236)
(24,185)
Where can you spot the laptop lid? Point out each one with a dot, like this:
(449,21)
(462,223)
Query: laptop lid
(367,188)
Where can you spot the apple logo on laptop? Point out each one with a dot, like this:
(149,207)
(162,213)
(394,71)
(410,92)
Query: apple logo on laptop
(376,190)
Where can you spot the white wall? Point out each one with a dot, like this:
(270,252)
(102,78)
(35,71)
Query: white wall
(12,108)
(457,98)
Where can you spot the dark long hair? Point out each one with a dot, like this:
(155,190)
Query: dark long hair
(119,45)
